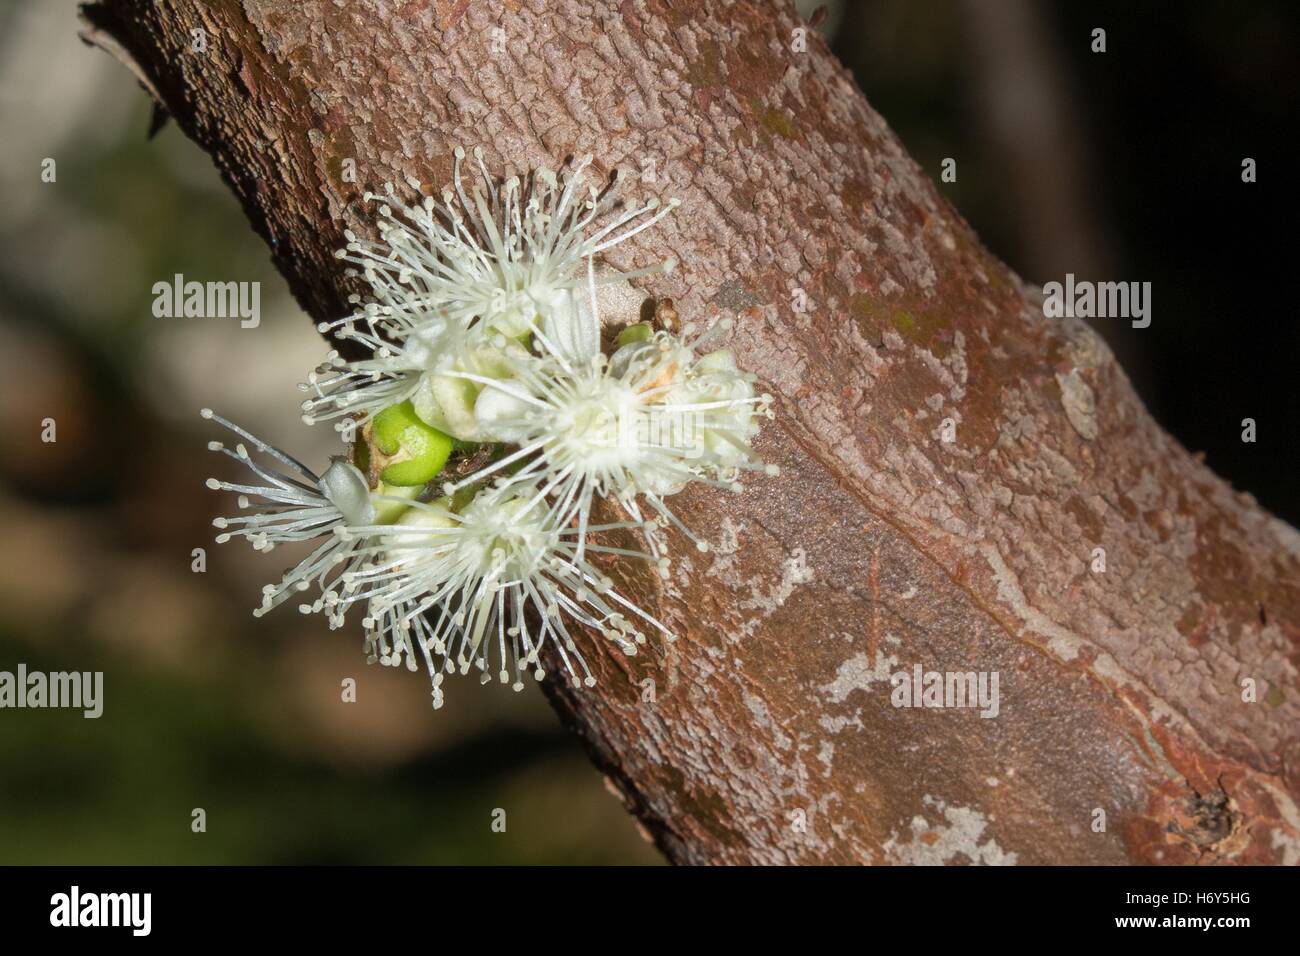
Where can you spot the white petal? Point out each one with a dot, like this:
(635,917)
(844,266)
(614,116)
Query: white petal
(347,489)
(571,326)
(498,414)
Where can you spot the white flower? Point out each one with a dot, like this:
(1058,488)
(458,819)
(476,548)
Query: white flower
(447,279)
(483,326)
(498,255)
(642,424)
(297,505)
(464,588)
(460,587)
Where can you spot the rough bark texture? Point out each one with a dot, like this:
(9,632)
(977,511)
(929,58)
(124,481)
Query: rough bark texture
(881,546)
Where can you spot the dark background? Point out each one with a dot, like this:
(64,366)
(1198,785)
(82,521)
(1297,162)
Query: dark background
(1118,166)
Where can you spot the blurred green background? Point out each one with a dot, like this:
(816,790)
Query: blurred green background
(1123,167)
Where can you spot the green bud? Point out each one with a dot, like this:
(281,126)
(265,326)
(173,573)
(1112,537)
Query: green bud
(412,451)
(637,332)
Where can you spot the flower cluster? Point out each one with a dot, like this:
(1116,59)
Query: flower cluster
(488,412)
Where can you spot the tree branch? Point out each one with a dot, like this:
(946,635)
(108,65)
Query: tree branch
(881,546)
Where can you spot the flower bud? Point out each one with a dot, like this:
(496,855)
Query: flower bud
(407,452)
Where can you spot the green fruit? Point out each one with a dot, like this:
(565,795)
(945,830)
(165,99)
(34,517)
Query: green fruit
(415,452)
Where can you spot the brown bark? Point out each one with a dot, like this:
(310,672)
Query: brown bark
(880,546)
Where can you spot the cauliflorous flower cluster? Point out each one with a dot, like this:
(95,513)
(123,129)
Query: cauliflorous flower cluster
(489,411)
